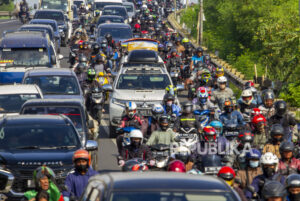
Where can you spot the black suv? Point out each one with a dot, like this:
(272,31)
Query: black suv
(29,141)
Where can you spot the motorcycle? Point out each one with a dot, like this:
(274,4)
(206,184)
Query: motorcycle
(175,73)
(24,16)
(73,54)
(161,154)
(209,164)
(96,103)
(187,137)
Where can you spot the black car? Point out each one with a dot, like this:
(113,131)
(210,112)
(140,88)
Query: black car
(119,31)
(149,186)
(116,10)
(30,141)
(61,19)
(110,18)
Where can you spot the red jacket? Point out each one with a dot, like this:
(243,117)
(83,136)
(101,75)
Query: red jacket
(292,168)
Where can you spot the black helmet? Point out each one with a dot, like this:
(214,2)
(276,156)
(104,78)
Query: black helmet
(82,58)
(99,58)
(80,68)
(86,44)
(293,180)
(177,40)
(274,189)
(246,137)
(277,129)
(280,107)
(173,50)
(96,47)
(163,119)
(103,42)
(268,94)
(169,97)
(286,146)
(199,49)
(108,36)
(187,107)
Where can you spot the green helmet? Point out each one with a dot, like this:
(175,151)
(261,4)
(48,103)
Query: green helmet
(91,73)
(185,40)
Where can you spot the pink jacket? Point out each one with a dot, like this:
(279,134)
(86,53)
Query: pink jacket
(292,168)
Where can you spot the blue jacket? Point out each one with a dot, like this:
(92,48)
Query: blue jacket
(175,109)
(234,117)
(195,59)
(76,182)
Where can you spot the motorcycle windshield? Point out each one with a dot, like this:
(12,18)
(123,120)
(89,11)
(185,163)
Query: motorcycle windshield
(211,161)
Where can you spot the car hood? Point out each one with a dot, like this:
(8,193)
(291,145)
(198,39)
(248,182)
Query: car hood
(36,157)
(139,95)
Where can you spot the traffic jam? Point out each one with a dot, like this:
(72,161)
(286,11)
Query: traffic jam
(180,131)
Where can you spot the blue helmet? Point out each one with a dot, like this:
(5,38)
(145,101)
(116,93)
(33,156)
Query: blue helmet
(218,127)
(253,154)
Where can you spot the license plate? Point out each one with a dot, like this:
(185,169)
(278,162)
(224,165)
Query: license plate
(145,112)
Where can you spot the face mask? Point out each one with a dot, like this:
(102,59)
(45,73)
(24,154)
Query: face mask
(203,100)
(164,128)
(275,140)
(253,164)
(81,168)
(228,109)
(136,144)
(294,197)
(268,172)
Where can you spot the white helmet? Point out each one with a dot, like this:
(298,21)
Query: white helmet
(136,134)
(222,79)
(245,94)
(269,159)
(131,105)
(157,110)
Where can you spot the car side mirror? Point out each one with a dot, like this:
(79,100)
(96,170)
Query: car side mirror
(53,59)
(35,6)
(107,87)
(60,57)
(180,87)
(91,145)
(6,179)
(91,124)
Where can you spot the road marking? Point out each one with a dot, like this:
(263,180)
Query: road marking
(8,21)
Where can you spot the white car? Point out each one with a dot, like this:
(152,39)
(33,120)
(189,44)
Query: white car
(12,97)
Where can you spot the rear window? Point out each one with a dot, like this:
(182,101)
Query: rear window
(103,20)
(49,15)
(51,24)
(115,11)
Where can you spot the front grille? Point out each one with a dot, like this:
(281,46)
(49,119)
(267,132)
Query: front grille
(19,185)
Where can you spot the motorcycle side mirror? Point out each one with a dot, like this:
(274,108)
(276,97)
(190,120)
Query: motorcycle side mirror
(35,6)
(91,124)
(91,145)
(251,189)
(116,121)
(107,87)
(180,87)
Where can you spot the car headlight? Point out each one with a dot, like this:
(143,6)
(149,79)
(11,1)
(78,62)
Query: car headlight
(118,101)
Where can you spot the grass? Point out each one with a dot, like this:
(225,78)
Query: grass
(4,17)
(237,92)
(7,7)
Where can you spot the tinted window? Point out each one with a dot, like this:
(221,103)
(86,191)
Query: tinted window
(121,33)
(100,5)
(53,25)
(110,20)
(49,15)
(12,103)
(55,85)
(143,81)
(39,29)
(39,136)
(129,8)
(115,11)
(55,4)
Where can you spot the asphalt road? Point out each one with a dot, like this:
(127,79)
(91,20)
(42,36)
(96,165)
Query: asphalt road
(107,151)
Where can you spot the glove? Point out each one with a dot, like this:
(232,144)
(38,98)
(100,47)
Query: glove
(152,162)
(121,163)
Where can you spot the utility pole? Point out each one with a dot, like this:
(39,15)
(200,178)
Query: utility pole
(200,24)
(175,5)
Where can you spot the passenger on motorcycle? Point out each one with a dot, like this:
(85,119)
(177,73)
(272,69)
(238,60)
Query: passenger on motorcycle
(246,103)
(99,64)
(174,60)
(261,135)
(269,164)
(219,95)
(164,135)
(250,85)
(277,136)
(268,108)
(198,57)
(169,105)
(78,180)
(153,121)
(85,49)
(136,149)
(180,48)
(231,116)
(82,9)
(288,164)
(293,187)
(274,191)
(24,9)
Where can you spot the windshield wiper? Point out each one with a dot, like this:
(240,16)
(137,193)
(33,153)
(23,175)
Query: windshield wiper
(28,147)
(64,147)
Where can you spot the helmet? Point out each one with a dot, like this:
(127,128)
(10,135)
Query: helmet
(136,134)
(161,47)
(164,122)
(269,159)
(99,58)
(131,108)
(268,98)
(274,189)
(108,37)
(259,119)
(176,166)
(277,129)
(209,133)
(249,84)
(96,47)
(97,13)
(227,173)
(80,68)
(171,89)
(202,94)
(41,172)
(168,97)
(247,96)
(85,44)
(157,110)
(293,180)
(137,26)
(205,76)
(246,137)
(187,107)
(81,154)
(182,153)
(199,49)
(169,45)
(91,74)
(227,105)
(185,40)
(173,51)
(222,79)
(134,165)
(82,58)
(218,127)
(219,71)
(253,154)
(280,108)
(103,42)
(286,146)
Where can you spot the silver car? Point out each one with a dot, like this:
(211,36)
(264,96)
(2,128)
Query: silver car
(130,9)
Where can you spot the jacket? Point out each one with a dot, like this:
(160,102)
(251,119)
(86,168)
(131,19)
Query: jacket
(77,182)
(219,96)
(272,148)
(187,121)
(267,112)
(234,117)
(135,122)
(130,152)
(247,180)
(292,168)
(260,139)
(161,137)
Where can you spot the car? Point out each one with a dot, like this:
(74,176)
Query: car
(72,108)
(54,37)
(58,84)
(13,96)
(64,5)
(148,186)
(130,9)
(110,18)
(99,4)
(116,10)
(20,51)
(30,141)
(79,2)
(61,19)
(143,85)
(119,31)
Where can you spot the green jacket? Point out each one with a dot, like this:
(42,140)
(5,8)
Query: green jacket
(53,191)
(161,137)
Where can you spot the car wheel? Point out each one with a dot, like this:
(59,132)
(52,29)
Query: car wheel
(112,131)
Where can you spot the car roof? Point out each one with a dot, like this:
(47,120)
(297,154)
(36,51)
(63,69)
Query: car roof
(34,119)
(19,89)
(113,6)
(43,20)
(23,39)
(128,3)
(114,25)
(50,71)
(50,10)
(111,16)
(143,70)
(53,102)
(41,27)
(162,181)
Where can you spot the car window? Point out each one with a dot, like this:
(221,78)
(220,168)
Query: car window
(55,4)
(12,103)
(49,15)
(129,8)
(55,85)
(110,20)
(122,33)
(53,25)
(100,5)
(143,81)
(115,11)
(42,136)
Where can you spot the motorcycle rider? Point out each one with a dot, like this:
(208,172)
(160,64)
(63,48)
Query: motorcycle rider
(169,105)
(174,60)
(260,133)
(164,135)
(218,127)
(231,116)
(252,170)
(85,49)
(180,48)
(24,8)
(274,191)
(219,95)
(198,57)
(80,71)
(78,180)
(153,121)
(288,164)
(268,108)
(246,103)
(269,164)
(293,187)
(287,121)
(277,136)
(136,149)
(94,21)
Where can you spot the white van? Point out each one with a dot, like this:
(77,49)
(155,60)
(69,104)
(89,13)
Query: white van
(99,4)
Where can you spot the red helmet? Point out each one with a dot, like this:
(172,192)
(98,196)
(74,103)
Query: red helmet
(258,119)
(226,173)
(82,154)
(209,133)
(255,111)
(137,26)
(176,166)
(246,137)
(249,84)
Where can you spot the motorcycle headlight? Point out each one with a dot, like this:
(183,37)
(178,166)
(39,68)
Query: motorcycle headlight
(118,101)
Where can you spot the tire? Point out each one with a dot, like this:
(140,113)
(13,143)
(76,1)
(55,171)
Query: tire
(112,131)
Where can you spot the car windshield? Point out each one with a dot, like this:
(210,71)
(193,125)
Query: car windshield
(100,5)
(129,8)
(12,103)
(58,16)
(78,3)
(46,23)
(121,33)
(72,112)
(25,57)
(110,20)
(115,11)
(38,136)
(143,81)
(40,30)
(172,196)
(55,85)
(55,4)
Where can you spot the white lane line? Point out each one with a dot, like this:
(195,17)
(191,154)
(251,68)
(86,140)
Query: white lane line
(8,21)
